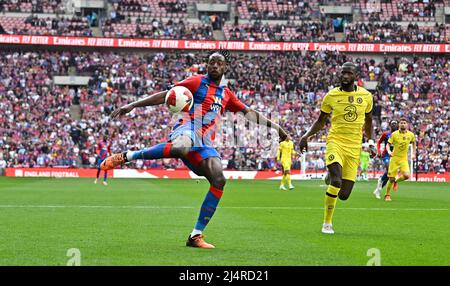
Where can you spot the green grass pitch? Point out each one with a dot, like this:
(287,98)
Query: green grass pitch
(146,222)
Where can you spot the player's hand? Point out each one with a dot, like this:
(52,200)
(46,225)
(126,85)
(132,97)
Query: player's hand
(122,110)
(303,145)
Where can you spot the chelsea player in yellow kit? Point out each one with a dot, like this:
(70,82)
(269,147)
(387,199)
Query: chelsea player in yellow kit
(285,154)
(350,107)
(400,139)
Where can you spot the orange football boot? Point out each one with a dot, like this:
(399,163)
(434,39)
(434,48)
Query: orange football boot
(198,241)
(112,161)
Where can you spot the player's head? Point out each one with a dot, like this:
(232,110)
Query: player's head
(348,74)
(394,125)
(403,124)
(217,64)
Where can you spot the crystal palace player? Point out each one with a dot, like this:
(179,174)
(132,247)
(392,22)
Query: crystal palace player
(191,139)
(351,109)
(103,150)
(382,181)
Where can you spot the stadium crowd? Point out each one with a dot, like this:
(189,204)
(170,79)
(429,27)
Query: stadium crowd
(39,126)
(390,32)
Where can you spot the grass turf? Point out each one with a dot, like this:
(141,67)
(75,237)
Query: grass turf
(146,222)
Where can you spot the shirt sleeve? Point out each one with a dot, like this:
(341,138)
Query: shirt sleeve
(391,139)
(369,103)
(326,104)
(192,83)
(413,138)
(234,104)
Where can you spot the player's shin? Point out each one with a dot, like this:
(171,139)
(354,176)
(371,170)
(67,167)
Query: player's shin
(288,178)
(385,179)
(330,203)
(388,188)
(155,152)
(207,209)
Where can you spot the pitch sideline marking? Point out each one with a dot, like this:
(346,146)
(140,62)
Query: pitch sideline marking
(224,207)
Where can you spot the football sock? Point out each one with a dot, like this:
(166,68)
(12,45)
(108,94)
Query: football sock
(385,179)
(208,207)
(155,152)
(400,179)
(388,188)
(330,203)
(283,180)
(288,177)
(105,176)
(195,232)
(98,172)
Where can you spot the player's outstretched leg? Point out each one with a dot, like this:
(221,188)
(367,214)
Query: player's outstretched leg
(177,149)
(212,170)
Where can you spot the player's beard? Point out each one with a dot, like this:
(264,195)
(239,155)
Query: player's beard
(215,77)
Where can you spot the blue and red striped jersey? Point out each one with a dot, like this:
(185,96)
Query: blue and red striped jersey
(210,102)
(103,149)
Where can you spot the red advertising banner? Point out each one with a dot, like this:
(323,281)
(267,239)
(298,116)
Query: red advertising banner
(186,174)
(214,45)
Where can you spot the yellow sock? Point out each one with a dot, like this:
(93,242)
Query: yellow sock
(400,179)
(330,203)
(388,188)
(288,177)
(283,180)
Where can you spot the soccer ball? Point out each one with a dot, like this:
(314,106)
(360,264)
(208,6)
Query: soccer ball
(179,99)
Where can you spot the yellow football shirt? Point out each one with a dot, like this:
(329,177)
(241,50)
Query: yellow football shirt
(285,150)
(348,112)
(401,142)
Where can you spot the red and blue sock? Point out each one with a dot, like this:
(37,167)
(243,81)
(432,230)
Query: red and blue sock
(155,152)
(208,207)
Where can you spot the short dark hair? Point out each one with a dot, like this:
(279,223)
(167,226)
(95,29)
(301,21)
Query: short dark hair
(225,53)
(349,65)
(403,119)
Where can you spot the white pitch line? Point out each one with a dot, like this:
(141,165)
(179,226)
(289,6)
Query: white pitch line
(224,207)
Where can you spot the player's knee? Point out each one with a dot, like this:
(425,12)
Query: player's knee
(392,179)
(219,182)
(343,195)
(336,182)
(287,172)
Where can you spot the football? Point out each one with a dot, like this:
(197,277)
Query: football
(179,99)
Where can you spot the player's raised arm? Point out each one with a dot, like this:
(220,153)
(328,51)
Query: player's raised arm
(255,116)
(154,99)
(316,127)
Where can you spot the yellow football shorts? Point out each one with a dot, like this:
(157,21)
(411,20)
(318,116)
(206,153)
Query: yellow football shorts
(286,165)
(347,158)
(396,164)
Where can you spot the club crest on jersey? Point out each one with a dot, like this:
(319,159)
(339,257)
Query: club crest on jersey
(359,100)
(216,105)
(350,99)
